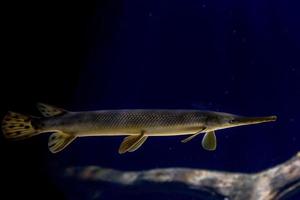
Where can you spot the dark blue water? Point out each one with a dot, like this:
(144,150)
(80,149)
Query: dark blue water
(234,56)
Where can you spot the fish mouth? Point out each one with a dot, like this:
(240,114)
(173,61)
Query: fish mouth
(253,120)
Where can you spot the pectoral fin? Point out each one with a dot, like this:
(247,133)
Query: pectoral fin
(209,141)
(58,141)
(132,143)
(192,136)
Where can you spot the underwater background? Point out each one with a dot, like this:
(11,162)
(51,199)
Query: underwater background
(233,56)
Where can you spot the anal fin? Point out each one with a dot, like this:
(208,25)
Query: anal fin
(59,140)
(132,143)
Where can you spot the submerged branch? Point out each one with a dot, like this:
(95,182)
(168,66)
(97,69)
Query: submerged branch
(274,183)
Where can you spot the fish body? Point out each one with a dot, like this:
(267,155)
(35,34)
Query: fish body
(137,125)
(127,122)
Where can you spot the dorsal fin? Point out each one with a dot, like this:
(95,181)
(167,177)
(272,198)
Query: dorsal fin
(49,111)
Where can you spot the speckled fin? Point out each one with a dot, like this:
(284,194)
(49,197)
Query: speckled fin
(209,141)
(17,126)
(192,136)
(132,143)
(58,141)
(49,111)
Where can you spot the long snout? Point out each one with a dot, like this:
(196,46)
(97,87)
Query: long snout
(252,120)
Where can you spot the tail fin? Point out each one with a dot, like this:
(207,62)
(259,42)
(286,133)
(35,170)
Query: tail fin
(16,126)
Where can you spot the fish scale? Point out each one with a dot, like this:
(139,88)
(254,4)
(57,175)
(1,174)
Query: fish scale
(141,119)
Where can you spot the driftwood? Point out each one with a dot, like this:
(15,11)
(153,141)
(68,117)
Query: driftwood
(272,184)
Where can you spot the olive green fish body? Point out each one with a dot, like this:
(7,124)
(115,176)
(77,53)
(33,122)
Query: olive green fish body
(137,125)
(127,122)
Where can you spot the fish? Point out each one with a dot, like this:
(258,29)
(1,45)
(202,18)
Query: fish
(137,125)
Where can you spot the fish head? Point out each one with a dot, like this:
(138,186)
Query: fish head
(218,120)
(242,121)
